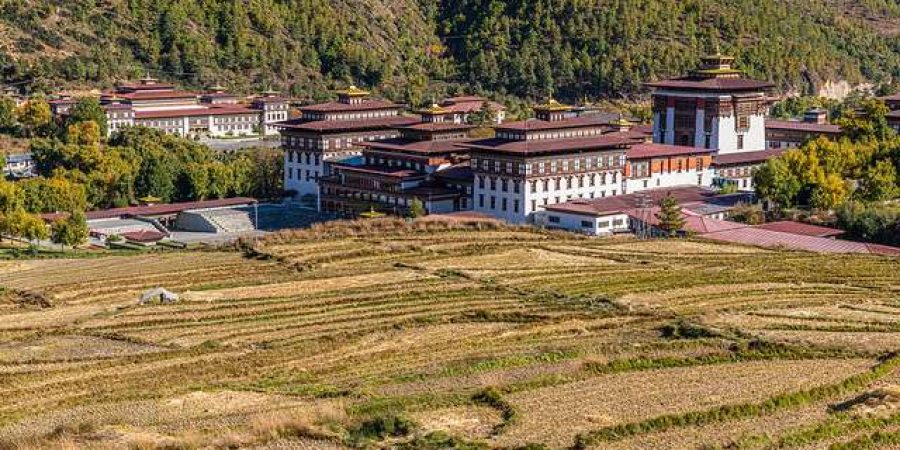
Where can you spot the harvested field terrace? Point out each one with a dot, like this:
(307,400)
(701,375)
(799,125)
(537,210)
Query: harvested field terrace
(426,334)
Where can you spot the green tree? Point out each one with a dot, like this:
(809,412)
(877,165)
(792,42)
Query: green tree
(416,208)
(83,133)
(71,231)
(8,122)
(879,182)
(156,176)
(88,109)
(671,219)
(35,117)
(46,195)
(30,226)
(830,193)
(11,198)
(776,182)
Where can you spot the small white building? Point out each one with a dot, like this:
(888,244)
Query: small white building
(624,213)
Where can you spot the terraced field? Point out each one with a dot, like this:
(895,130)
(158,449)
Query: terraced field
(452,335)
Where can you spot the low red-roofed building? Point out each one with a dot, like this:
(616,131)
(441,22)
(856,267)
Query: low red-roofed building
(737,168)
(460,108)
(785,134)
(793,227)
(704,208)
(760,237)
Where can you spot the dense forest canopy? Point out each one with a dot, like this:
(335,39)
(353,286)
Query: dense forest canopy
(412,49)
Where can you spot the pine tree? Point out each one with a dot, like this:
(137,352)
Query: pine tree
(670,218)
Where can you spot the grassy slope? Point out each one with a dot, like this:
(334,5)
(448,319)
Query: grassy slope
(324,329)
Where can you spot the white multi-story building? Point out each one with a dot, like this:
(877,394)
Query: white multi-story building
(713,108)
(334,131)
(652,166)
(216,113)
(545,161)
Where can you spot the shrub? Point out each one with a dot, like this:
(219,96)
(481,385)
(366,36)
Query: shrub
(382,427)
(686,330)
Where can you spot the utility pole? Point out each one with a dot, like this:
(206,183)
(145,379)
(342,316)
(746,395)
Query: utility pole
(643,203)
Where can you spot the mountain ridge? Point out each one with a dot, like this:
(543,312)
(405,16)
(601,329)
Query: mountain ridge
(414,49)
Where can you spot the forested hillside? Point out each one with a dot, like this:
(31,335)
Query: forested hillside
(413,49)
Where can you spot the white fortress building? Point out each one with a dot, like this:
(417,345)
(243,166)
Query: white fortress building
(712,108)
(554,158)
(334,131)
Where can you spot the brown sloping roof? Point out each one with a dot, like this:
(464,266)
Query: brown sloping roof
(790,226)
(157,210)
(541,146)
(191,112)
(415,146)
(651,150)
(777,239)
(747,157)
(437,126)
(693,223)
(347,125)
(457,172)
(393,172)
(625,203)
(153,95)
(794,125)
(711,84)
(469,104)
(541,125)
(367,105)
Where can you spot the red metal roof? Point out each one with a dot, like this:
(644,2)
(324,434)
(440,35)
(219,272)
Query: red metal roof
(793,125)
(393,172)
(776,239)
(437,126)
(789,226)
(457,172)
(162,209)
(469,104)
(367,105)
(191,112)
(348,125)
(650,150)
(152,95)
(621,204)
(711,84)
(693,223)
(541,125)
(534,147)
(747,157)
(425,147)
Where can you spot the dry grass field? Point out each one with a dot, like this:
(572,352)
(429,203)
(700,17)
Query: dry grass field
(434,335)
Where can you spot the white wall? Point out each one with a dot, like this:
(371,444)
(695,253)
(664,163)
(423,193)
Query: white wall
(587,224)
(684,178)
(295,173)
(541,197)
(725,135)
